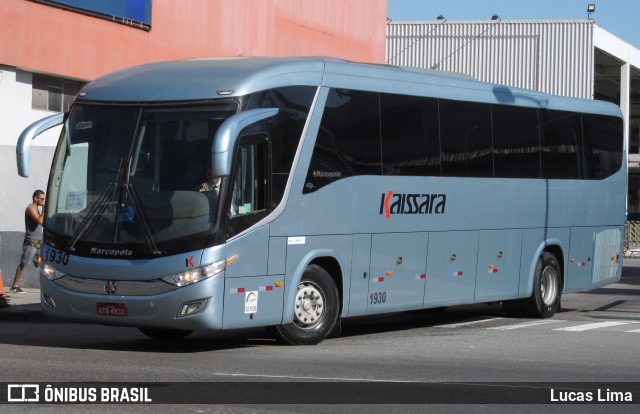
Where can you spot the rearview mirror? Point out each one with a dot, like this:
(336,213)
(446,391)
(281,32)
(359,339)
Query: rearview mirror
(23,147)
(227,135)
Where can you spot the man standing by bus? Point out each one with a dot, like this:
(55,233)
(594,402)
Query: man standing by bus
(33,217)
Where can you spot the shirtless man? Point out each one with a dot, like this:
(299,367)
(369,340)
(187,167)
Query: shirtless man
(33,216)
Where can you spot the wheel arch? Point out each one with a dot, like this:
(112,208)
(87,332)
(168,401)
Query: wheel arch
(332,266)
(327,259)
(553,246)
(557,251)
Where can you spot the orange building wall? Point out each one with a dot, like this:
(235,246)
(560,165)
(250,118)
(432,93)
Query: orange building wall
(43,38)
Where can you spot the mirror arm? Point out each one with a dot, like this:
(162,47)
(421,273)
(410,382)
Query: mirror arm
(23,147)
(227,135)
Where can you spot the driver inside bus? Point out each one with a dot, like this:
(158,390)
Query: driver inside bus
(211,186)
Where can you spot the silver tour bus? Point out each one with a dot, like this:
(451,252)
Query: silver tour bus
(292,192)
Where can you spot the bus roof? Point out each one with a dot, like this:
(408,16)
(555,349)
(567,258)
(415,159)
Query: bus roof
(212,78)
(202,79)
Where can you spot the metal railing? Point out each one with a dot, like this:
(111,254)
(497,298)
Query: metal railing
(632,239)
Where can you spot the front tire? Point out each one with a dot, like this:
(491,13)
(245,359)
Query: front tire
(315,309)
(547,288)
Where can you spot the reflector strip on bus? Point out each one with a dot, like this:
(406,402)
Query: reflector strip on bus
(582,264)
(377,280)
(494,270)
(232,259)
(421,276)
(458,273)
(265,288)
(236,290)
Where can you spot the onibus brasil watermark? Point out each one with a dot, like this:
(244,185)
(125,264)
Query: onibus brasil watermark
(34,393)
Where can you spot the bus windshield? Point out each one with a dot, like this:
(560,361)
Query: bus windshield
(127,176)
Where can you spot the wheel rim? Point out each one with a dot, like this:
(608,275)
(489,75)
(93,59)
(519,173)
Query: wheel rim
(549,285)
(309,305)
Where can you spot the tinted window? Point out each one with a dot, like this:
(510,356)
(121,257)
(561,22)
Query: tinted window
(285,129)
(561,139)
(516,142)
(421,136)
(602,145)
(348,141)
(410,144)
(465,139)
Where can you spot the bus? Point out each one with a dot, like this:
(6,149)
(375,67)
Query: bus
(335,189)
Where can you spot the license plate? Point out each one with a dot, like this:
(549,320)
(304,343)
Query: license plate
(111,309)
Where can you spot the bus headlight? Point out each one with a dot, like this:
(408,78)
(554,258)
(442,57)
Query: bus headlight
(195,275)
(51,272)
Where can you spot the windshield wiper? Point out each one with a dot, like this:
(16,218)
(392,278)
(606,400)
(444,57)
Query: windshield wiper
(92,217)
(130,191)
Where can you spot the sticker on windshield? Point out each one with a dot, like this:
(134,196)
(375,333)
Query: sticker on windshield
(76,201)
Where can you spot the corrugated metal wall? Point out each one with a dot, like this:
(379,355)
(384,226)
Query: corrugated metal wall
(549,56)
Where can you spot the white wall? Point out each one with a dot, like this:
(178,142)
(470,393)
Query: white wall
(15,108)
(15,115)
(615,46)
(629,57)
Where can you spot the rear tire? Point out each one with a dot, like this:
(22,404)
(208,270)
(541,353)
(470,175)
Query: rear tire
(547,289)
(160,333)
(315,309)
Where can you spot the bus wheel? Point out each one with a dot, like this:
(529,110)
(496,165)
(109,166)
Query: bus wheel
(159,333)
(315,309)
(545,299)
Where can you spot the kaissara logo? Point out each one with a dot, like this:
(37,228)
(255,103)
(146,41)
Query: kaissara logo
(412,203)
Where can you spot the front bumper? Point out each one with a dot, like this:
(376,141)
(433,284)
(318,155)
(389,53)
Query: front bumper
(152,311)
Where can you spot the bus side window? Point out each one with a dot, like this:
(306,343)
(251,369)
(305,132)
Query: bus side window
(516,142)
(251,195)
(348,143)
(410,136)
(465,139)
(284,129)
(602,145)
(561,141)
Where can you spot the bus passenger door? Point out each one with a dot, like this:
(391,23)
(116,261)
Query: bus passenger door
(451,268)
(252,297)
(498,274)
(396,280)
